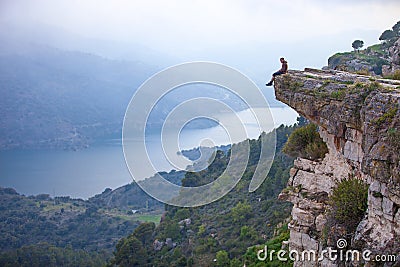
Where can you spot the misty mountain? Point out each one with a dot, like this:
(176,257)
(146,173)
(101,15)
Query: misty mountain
(54,95)
(17,38)
(55,98)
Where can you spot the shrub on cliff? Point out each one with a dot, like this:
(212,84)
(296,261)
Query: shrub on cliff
(305,142)
(349,203)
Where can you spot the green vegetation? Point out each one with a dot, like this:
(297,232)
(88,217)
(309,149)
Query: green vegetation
(54,226)
(364,71)
(222,258)
(347,206)
(386,118)
(154,218)
(357,44)
(372,58)
(44,254)
(389,35)
(368,60)
(305,142)
(349,203)
(131,251)
(347,82)
(241,212)
(275,243)
(339,94)
(222,230)
(61,103)
(376,48)
(365,88)
(386,35)
(290,83)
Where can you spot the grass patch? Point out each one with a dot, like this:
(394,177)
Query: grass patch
(365,89)
(291,84)
(386,118)
(148,218)
(339,95)
(376,48)
(347,82)
(363,72)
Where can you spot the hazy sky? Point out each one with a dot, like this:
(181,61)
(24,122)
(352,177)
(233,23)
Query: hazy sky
(187,28)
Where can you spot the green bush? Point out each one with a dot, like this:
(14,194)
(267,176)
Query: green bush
(305,142)
(241,212)
(274,244)
(182,214)
(349,203)
(386,118)
(340,94)
(222,258)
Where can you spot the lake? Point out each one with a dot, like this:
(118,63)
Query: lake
(84,173)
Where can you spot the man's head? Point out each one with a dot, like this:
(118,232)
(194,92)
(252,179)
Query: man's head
(282,59)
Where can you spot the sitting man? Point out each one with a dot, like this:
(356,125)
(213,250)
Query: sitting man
(283,70)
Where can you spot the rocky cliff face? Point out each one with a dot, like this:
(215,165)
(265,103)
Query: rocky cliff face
(359,119)
(394,58)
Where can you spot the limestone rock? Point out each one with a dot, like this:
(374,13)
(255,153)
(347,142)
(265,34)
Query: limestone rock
(394,55)
(359,119)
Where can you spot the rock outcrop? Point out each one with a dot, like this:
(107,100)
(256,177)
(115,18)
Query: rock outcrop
(394,58)
(359,119)
(380,59)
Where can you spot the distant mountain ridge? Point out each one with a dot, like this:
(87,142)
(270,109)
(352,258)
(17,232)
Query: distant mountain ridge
(131,196)
(53,98)
(59,99)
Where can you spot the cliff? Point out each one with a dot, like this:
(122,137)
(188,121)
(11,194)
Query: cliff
(359,119)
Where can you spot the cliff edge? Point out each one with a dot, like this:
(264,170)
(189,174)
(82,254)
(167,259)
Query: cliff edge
(359,119)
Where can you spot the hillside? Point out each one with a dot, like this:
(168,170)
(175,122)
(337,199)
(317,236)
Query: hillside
(194,236)
(380,59)
(131,196)
(63,99)
(59,221)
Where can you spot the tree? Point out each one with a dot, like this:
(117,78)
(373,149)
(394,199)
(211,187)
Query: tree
(386,35)
(222,258)
(129,252)
(241,212)
(357,44)
(144,233)
(396,29)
